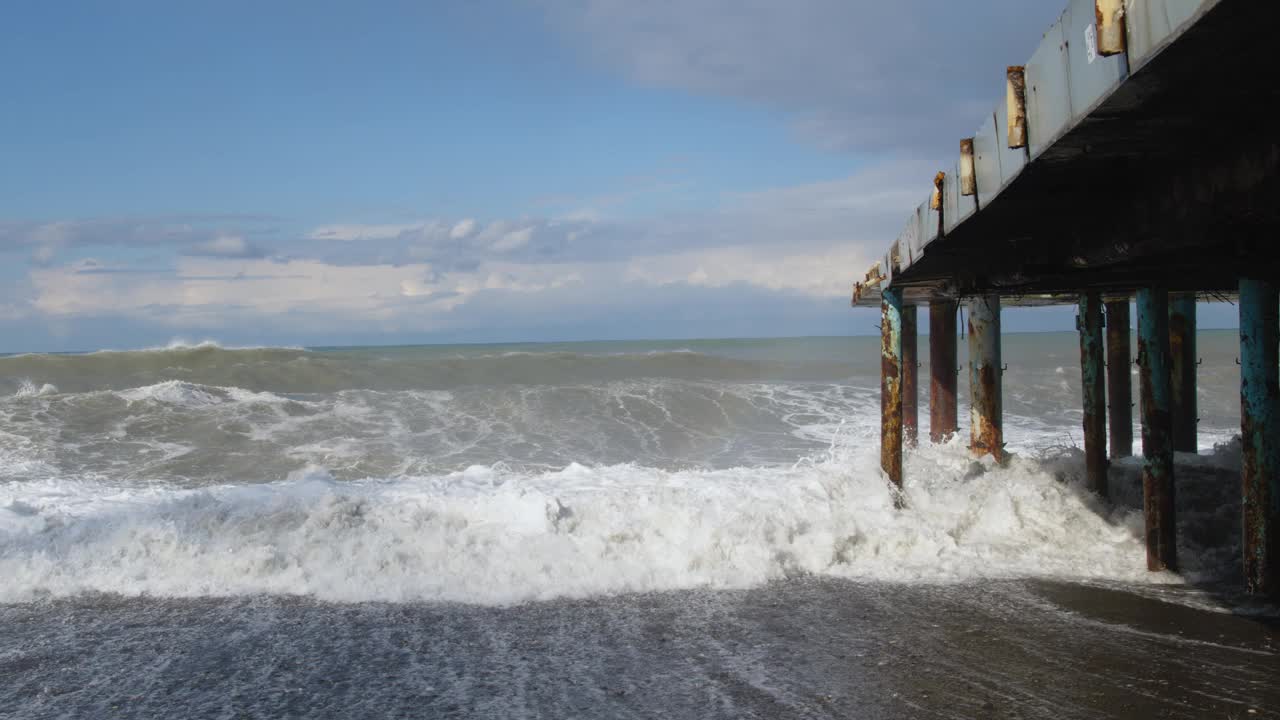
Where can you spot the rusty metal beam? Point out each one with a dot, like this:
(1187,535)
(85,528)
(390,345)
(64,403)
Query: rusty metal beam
(1182,353)
(1260,434)
(943,422)
(891,386)
(1119,381)
(986,425)
(1157,441)
(1093,385)
(910,384)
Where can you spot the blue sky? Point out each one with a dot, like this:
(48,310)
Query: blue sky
(388,172)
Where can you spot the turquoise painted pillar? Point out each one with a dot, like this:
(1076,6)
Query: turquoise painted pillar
(1260,433)
(1157,442)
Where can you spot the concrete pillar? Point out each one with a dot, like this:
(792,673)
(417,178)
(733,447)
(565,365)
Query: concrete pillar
(1260,434)
(1093,385)
(1182,354)
(891,385)
(1119,382)
(942,369)
(986,425)
(1157,441)
(910,385)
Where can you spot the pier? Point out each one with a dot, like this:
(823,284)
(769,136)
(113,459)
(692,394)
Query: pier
(1133,158)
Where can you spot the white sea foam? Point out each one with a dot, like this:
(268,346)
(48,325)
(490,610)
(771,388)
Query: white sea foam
(177,392)
(486,535)
(27,388)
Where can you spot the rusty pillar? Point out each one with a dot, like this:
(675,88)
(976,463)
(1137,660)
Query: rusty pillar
(1182,353)
(1093,385)
(910,385)
(1260,434)
(1119,381)
(942,369)
(1157,440)
(986,426)
(891,385)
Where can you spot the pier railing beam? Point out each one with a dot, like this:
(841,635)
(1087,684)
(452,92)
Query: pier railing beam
(1119,381)
(1157,441)
(891,385)
(986,425)
(1260,434)
(1182,352)
(910,384)
(942,370)
(1093,386)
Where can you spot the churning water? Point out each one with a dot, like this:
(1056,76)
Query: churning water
(197,487)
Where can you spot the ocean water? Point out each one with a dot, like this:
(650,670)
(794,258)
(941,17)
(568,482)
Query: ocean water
(635,529)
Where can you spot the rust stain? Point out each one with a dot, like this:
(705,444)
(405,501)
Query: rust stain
(1016,105)
(986,432)
(988,436)
(890,398)
(1109,15)
(935,200)
(910,377)
(943,422)
(1157,467)
(968,176)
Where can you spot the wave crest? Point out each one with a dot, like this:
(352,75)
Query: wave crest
(487,535)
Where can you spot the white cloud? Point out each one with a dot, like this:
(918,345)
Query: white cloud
(513,240)
(227,246)
(356,231)
(862,75)
(463,229)
(806,243)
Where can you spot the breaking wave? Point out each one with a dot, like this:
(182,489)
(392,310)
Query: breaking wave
(490,535)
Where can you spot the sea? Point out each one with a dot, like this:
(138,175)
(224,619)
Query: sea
(641,529)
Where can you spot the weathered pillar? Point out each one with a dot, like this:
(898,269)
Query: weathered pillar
(1260,434)
(1093,385)
(1157,441)
(1182,354)
(891,385)
(986,426)
(910,385)
(942,369)
(1119,382)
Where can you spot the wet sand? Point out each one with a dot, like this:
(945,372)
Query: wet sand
(802,648)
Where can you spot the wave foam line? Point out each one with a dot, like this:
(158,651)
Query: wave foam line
(486,535)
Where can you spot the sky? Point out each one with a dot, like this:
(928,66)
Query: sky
(328,173)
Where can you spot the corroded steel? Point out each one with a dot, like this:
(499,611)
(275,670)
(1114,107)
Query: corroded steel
(942,362)
(1182,354)
(986,428)
(1016,105)
(1157,445)
(1119,381)
(968,180)
(1109,16)
(1093,385)
(1260,434)
(910,385)
(891,385)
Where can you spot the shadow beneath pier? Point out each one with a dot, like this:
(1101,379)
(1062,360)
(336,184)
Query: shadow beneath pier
(1208,508)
